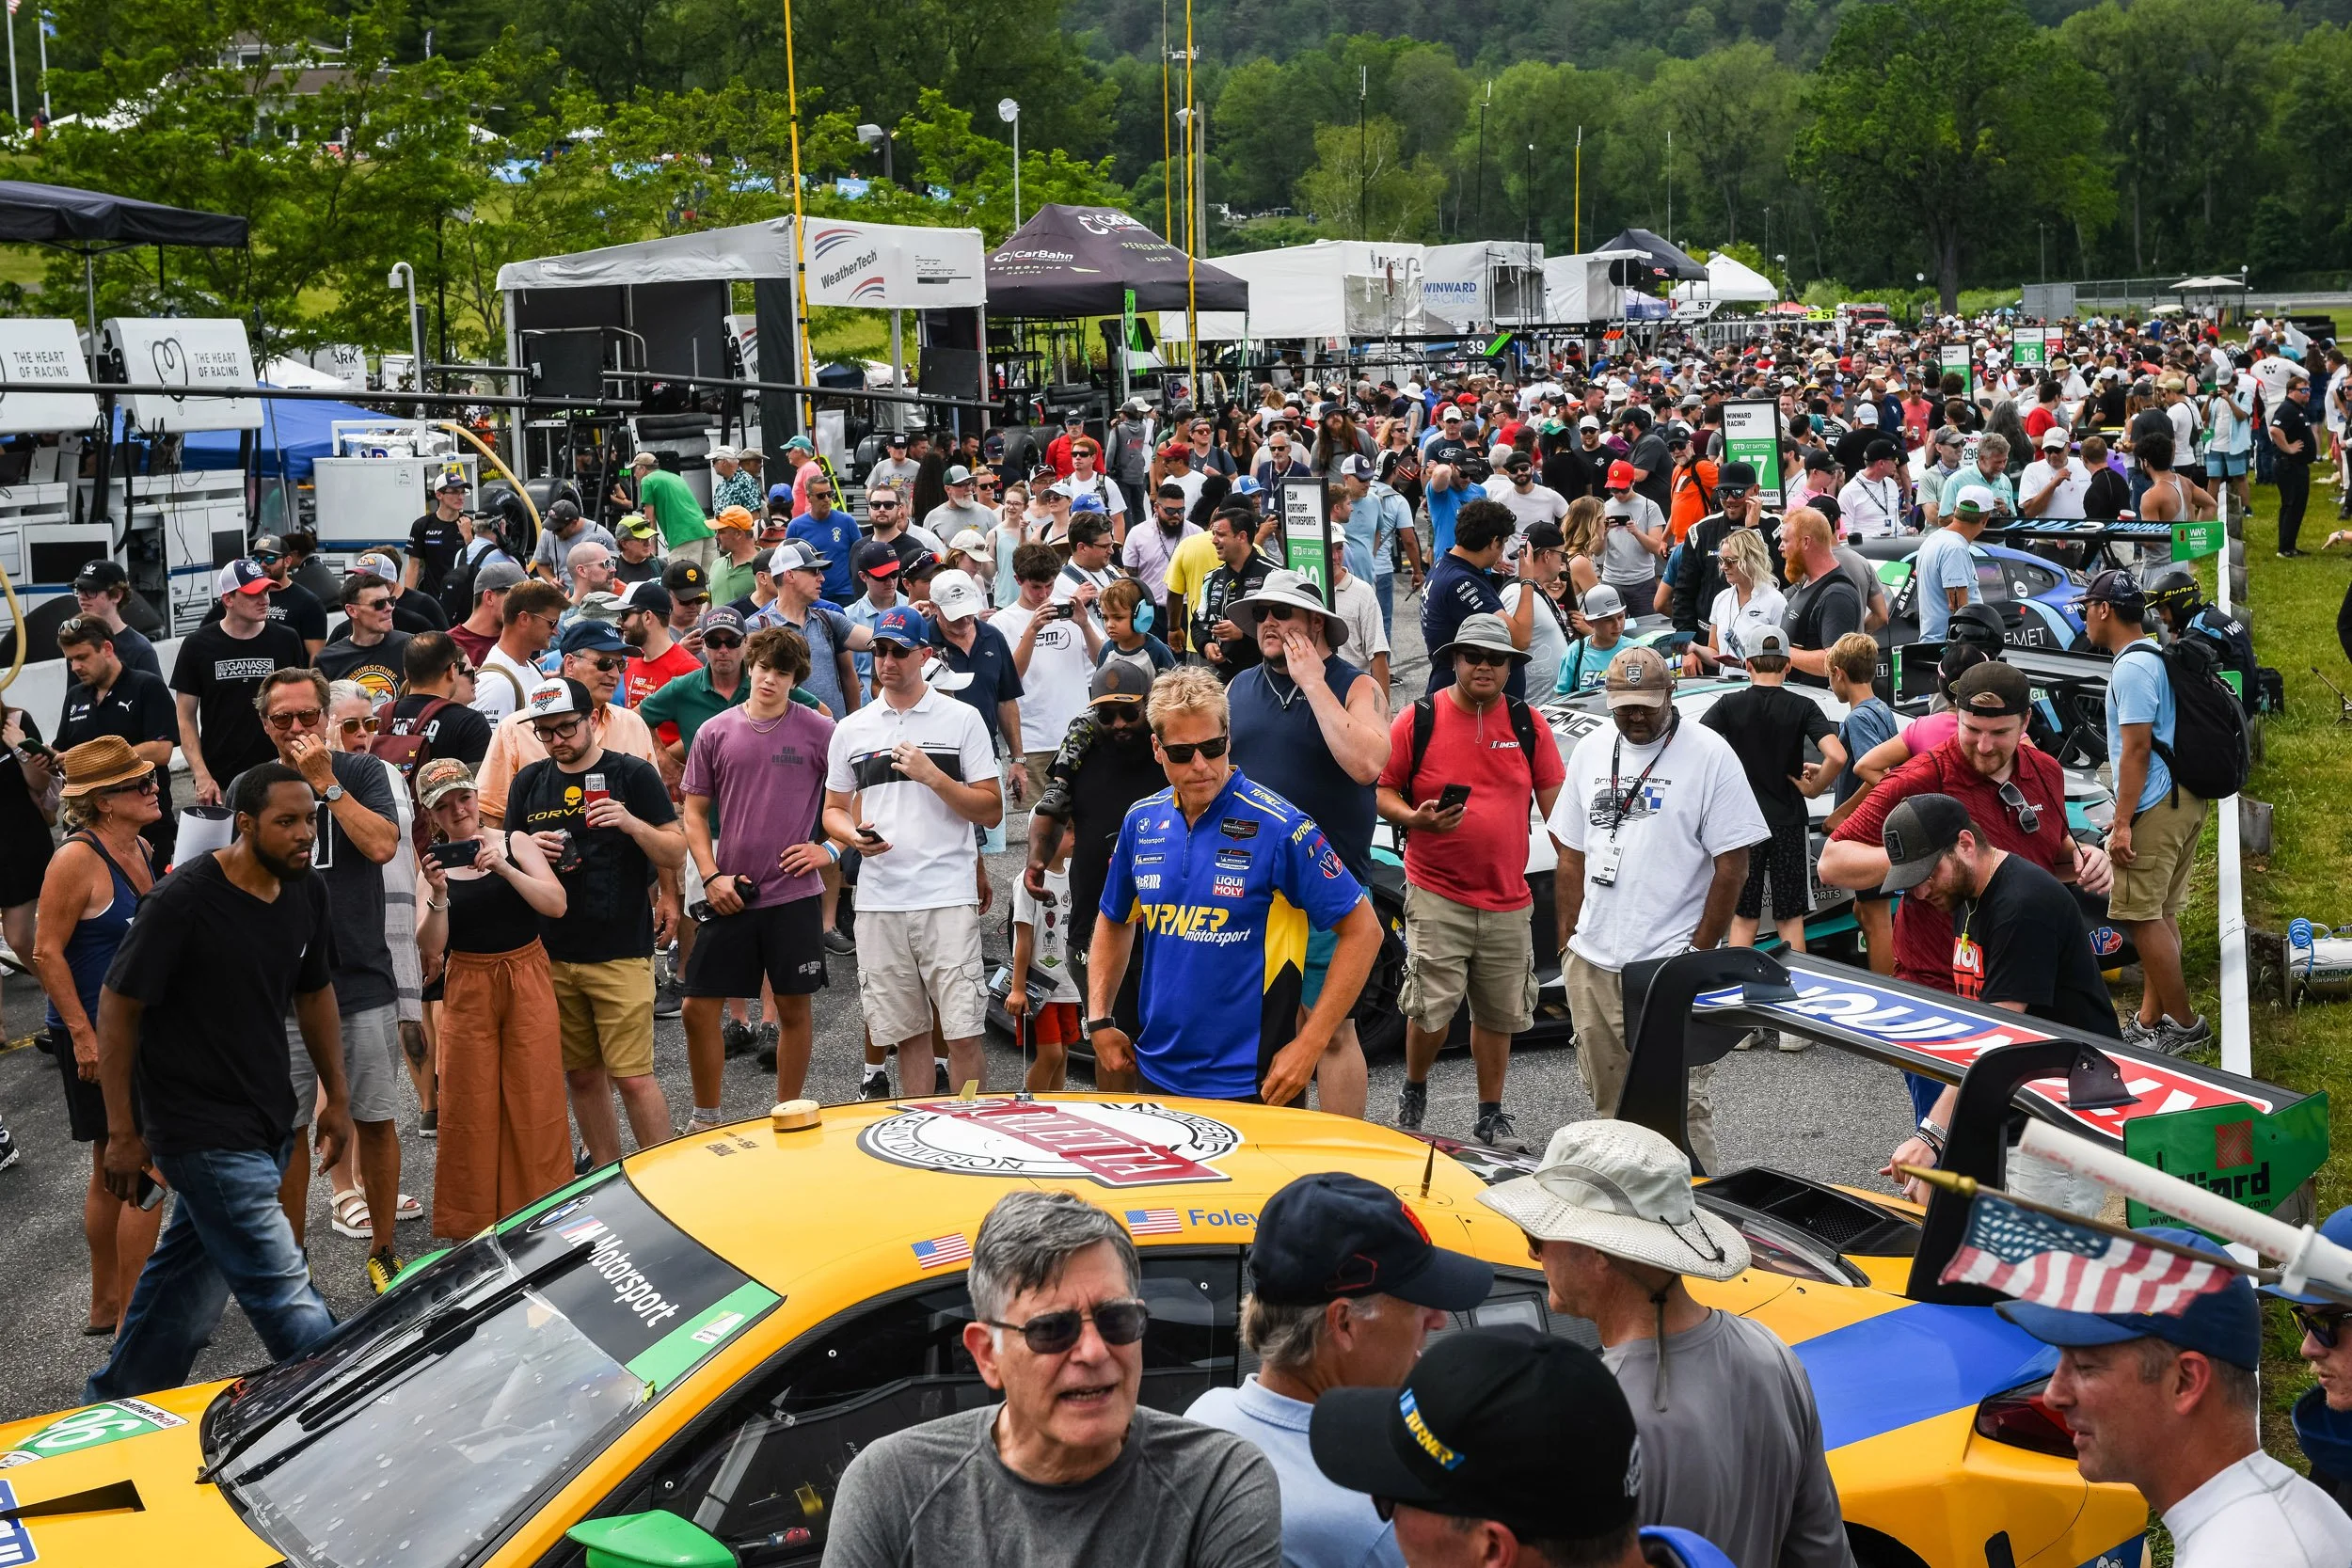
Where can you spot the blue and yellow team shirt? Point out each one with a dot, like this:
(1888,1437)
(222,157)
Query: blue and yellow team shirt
(1225,904)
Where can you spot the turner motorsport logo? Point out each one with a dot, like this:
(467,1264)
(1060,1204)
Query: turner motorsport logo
(1126,1144)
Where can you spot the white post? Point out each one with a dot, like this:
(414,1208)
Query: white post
(2237,1025)
(15,113)
(1016,171)
(41,33)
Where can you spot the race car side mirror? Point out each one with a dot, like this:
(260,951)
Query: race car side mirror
(654,1540)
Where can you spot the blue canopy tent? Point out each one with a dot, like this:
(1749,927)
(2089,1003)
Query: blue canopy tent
(294,434)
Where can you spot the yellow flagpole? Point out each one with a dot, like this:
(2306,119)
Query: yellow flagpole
(1192,245)
(1576,242)
(1168,146)
(800,244)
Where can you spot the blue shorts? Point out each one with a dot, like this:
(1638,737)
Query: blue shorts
(2223,465)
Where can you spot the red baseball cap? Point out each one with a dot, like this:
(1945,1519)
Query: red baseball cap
(1620,475)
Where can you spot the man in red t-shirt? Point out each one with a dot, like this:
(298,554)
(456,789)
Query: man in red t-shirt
(656,658)
(1465,805)
(2015,794)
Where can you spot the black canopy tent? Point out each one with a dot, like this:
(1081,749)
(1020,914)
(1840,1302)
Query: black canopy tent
(1659,258)
(1081,260)
(91,223)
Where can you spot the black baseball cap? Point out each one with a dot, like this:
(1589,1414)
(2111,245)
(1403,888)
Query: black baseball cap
(873,557)
(1992,691)
(100,573)
(1736,476)
(1121,681)
(2118,587)
(1333,1235)
(1505,1424)
(1915,835)
(684,578)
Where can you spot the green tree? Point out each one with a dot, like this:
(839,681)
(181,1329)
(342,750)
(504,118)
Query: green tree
(1935,121)
(1734,118)
(1362,186)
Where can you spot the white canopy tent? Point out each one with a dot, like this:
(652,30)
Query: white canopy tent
(1328,289)
(1481,284)
(1729,281)
(1578,289)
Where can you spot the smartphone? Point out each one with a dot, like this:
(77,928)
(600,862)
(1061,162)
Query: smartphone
(1452,796)
(150,1192)
(869,835)
(453,854)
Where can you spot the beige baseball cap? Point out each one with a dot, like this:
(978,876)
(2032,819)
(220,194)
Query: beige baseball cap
(1640,677)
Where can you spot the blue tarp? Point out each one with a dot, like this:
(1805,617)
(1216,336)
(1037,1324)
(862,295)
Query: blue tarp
(293,434)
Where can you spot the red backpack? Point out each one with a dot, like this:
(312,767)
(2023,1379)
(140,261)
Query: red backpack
(408,748)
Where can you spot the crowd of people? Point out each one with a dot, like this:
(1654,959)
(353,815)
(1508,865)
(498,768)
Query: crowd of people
(672,759)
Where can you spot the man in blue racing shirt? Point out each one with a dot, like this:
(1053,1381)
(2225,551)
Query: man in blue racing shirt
(1225,877)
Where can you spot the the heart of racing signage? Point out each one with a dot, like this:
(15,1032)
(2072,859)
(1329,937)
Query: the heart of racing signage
(1122,1144)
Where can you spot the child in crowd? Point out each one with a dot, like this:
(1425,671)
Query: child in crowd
(1041,952)
(1127,616)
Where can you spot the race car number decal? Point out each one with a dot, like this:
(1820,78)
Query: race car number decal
(1954,1040)
(87,1429)
(1123,1144)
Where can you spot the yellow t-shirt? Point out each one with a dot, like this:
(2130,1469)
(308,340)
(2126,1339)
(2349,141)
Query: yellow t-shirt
(1188,569)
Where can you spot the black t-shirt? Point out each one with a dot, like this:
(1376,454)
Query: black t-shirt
(376,668)
(1650,453)
(295,606)
(647,570)
(607,911)
(1112,778)
(456,731)
(217,971)
(413,612)
(363,961)
(432,544)
(2023,941)
(1224,586)
(136,708)
(1818,613)
(223,673)
(2108,495)
(2292,421)
(24,832)
(1768,727)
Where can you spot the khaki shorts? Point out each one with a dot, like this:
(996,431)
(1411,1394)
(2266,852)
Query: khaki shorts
(1456,949)
(606,1015)
(1603,1056)
(700,551)
(909,961)
(2164,852)
(1034,764)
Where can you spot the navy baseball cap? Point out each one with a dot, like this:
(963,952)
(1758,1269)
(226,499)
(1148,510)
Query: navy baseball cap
(903,626)
(2337,1228)
(2226,1324)
(1333,1235)
(590,637)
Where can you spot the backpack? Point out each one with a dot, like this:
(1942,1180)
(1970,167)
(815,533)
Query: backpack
(2234,646)
(456,594)
(407,752)
(1426,724)
(2208,754)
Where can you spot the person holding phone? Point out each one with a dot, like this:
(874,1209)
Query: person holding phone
(505,1138)
(1463,767)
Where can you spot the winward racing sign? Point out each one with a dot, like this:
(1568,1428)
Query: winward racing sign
(1122,1144)
(1942,1036)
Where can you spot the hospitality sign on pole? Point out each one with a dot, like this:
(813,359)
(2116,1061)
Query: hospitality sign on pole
(2030,347)
(1752,435)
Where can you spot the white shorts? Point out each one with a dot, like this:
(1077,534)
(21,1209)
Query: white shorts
(372,1067)
(912,961)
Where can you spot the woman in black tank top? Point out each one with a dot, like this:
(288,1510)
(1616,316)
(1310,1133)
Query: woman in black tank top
(505,1130)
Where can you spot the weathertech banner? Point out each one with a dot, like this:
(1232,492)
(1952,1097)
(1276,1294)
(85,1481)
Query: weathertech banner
(1942,1036)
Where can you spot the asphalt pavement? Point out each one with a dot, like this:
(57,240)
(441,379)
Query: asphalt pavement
(1819,1114)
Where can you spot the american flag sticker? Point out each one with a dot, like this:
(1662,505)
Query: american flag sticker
(1151,1222)
(940,1251)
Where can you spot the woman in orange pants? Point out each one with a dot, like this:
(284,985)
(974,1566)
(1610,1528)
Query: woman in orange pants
(505,1135)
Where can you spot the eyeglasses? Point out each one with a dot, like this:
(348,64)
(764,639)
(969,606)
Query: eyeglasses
(556,728)
(359,726)
(721,641)
(143,785)
(1281,613)
(296,718)
(535,615)
(2323,1324)
(604,661)
(1120,1322)
(1182,751)
(2028,819)
(1482,657)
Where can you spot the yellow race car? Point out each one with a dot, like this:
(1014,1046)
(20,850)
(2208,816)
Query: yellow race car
(672,1361)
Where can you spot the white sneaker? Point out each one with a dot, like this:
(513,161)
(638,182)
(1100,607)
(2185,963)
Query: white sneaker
(1792,1043)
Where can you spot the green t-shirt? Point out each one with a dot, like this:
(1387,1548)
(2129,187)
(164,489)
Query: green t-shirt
(675,510)
(730,582)
(689,702)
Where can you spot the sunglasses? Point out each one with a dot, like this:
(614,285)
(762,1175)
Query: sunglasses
(891,650)
(882,506)
(604,661)
(1482,657)
(2323,1324)
(1120,1322)
(144,784)
(359,726)
(375,604)
(1121,714)
(2028,819)
(721,641)
(1182,751)
(296,718)
(693,598)
(267,560)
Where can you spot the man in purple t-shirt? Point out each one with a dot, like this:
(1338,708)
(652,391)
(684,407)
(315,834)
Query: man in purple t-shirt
(762,767)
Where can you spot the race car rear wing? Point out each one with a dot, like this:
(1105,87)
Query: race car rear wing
(1688,1010)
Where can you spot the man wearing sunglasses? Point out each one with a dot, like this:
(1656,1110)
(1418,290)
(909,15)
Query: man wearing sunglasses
(1072,1467)
(2016,794)
(1226,880)
(368,651)
(291,605)
(2168,1403)
(528,619)
(2323,1417)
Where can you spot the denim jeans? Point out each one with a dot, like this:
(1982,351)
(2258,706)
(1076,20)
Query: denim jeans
(226,1235)
(1384,589)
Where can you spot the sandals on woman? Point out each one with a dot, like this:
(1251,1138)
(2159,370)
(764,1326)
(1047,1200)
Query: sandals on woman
(350,1213)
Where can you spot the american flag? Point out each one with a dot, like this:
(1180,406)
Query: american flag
(940,1251)
(1151,1222)
(2041,1259)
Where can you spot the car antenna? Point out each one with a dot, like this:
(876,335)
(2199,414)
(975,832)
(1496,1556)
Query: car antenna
(1428,1168)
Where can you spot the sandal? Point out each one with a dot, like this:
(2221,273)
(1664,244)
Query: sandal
(408,1208)
(350,1215)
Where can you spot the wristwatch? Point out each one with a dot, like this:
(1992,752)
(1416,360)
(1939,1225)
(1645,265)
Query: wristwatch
(331,794)
(1093,1026)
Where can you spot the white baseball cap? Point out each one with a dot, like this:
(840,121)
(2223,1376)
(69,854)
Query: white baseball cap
(956,597)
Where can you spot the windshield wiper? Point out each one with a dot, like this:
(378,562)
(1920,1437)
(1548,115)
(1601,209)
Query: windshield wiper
(443,1328)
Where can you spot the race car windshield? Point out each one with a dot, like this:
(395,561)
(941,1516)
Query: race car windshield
(420,1443)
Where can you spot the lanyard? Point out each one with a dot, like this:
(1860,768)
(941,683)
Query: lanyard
(1621,803)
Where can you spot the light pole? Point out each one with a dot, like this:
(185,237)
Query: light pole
(1483,104)
(1783,259)
(1009,112)
(1196,123)
(874,135)
(404,275)
(1527,219)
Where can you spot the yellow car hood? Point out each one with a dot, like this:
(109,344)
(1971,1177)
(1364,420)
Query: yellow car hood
(115,1483)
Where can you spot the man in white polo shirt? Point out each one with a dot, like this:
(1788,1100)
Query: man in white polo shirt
(909,776)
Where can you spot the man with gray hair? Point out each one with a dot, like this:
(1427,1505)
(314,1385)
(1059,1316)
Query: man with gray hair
(1069,1469)
(1347,1289)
